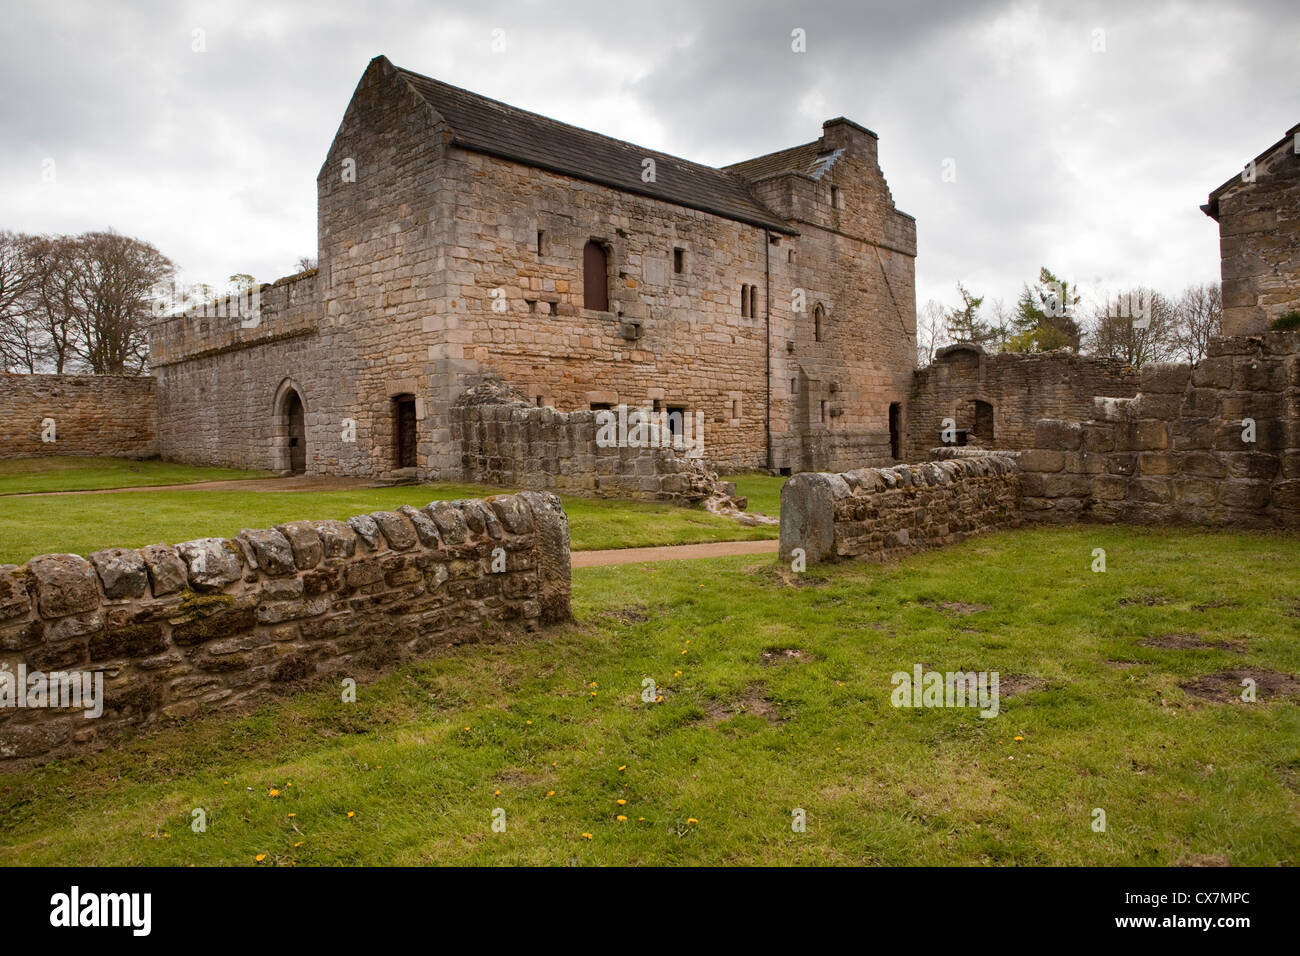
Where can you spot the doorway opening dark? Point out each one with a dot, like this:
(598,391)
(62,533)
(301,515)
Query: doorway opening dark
(404,431)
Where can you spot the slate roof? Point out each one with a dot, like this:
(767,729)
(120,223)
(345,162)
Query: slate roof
(488,126)
(810,159)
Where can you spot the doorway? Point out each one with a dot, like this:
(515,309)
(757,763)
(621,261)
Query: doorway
(296,420)
(404,431)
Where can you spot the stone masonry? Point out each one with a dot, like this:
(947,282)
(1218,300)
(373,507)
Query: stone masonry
(108,415)
(887,512)
(1213,444)
(1258,212)
(452,239)
(223,623)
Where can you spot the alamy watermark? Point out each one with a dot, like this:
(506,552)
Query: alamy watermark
(78,690)
(923,688)
(647,428)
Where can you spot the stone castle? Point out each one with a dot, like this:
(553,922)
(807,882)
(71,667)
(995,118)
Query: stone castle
(464,240)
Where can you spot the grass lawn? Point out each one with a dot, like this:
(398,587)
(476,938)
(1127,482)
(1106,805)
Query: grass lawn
(81,524)
(74,473)
(763,491)
(552,728)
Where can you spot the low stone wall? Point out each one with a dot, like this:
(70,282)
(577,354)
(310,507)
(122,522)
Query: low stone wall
(219,623)
(507,441)
(1214,444)
(109,415)
(882,513)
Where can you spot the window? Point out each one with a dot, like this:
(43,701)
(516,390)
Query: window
(823,411)
(835,197)
(679,261)
(601,406)
(595,277)
(895,430)
(735,409)
(541,242)
(794,388)
(819,317)
(983,420)
(676,414)
(753,301)
(744,301)
(790,257)
(539,401)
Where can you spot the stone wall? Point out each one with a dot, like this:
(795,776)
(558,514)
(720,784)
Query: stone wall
(1259,238)
(887,512)
(1021,388)
(1181,451)
(109,415)
(217,623)
(506,441)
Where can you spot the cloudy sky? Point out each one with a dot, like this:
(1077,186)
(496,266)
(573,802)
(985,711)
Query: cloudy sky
(1082,136)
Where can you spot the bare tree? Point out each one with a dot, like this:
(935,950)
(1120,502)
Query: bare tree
(1136,327)
(113,280)
(1198,318)
(306,263)
(52,307)
(930,335)
(19,344)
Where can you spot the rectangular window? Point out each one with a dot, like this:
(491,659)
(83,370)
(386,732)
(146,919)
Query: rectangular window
(735,408)
(595,277)
(676,414)
(679,261)
(823,411)
(835,197)
(541,242)
(601,406)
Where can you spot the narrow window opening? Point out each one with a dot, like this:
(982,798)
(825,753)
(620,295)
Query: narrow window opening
(819,316)
(895,430)
(835,197)
(541,242)
(595,277)
(753,301)
(823,411)
(676,414)
(744,301)
(404,431)
(601,406)
(679,261)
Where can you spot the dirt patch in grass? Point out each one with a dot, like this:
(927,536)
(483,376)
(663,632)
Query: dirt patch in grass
(1211,605)
(781,655)
(632,614)
(1203,859)
(752,701)
(1143,600)
(1191,642)
(1226,687)
(1123,665)
(1012,685)
(957,607)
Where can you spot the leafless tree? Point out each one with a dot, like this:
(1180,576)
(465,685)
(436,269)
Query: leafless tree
(19,346)
(930,334)
(51,302)
(1137,327)
(306,263)
(1199,318)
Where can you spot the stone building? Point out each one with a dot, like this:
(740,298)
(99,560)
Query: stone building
(1258,212)
(463,240)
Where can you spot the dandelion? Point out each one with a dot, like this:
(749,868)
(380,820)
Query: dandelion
(659,699)
(260,857)
(550,793)
(586,836)
(298,844)
(275,793)
(640,819)
(496,793)
(1020,738)
(528,722)
(620,818)
(351,814)
(622,803)
(677,673)
(692,820)
(292,815)
(622,768)
(683,650)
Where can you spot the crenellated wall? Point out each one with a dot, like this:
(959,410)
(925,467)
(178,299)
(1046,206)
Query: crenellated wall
(108,415)
(220,623)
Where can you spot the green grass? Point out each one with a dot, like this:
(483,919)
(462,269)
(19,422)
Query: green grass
(763,491)
(80,524)
(738,744)
(74,473)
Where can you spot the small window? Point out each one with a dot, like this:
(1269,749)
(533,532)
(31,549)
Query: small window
(735,409)
(790,257)
(539,401)
(753,301)
(823,411)
(595,277)
(550,308)
(541,242)
(744,301)
(819,318)
(895,430)
(679,261)
(794,388)
(835,197)
(676,414)
(532,304)
(601,406)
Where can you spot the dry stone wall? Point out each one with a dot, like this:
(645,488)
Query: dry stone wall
(108,415)
(1213,444)
(219,623)
(883,513)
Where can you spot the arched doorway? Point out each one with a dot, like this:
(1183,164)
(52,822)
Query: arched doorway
(289,451)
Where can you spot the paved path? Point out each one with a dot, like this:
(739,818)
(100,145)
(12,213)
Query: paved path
(679,552)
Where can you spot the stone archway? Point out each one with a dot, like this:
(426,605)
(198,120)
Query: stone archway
(289,447)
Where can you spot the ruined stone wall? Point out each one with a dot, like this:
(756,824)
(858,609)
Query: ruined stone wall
(1022,388)
(1178,453)
(1259,243)
(505,441)
(109,415)
(220,623)
(883,513)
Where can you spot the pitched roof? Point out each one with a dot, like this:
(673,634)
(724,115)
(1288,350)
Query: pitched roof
(488,126)
(810,159)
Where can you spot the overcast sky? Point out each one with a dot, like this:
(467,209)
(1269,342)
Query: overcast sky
(1083,136)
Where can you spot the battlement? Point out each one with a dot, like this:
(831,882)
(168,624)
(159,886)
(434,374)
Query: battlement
(286,308)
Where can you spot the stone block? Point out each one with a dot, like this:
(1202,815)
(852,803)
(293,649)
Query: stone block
(65,584)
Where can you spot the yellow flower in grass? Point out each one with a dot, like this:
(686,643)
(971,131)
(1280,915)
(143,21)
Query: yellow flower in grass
(1020,738)
(586,836)
(620,818)
(550,793)
(622,803)
(622,768)
(692,820)
(260,857)
(351,814)
(274,792)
